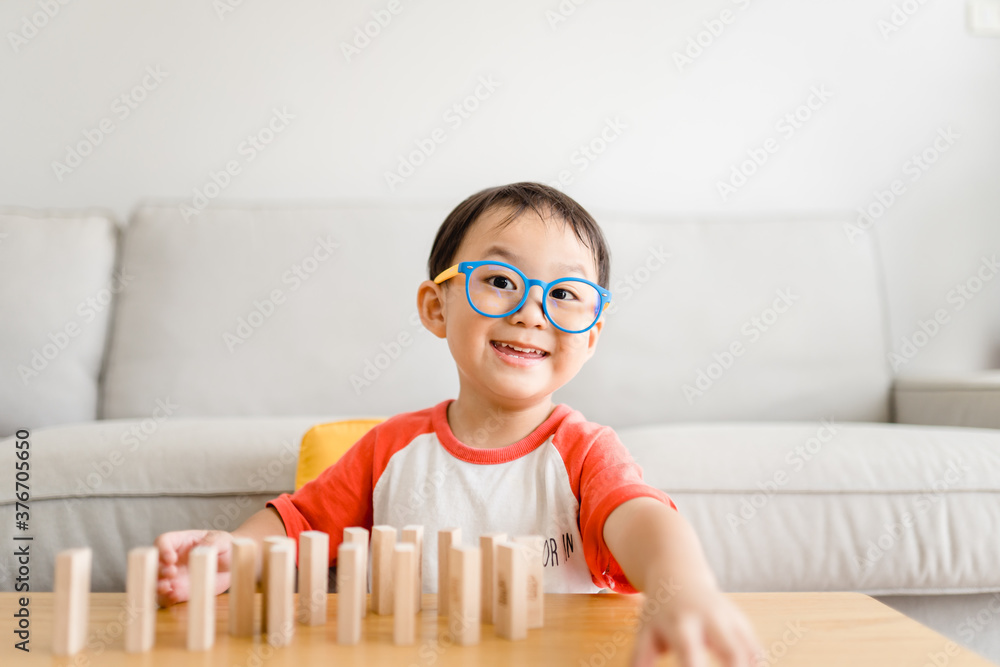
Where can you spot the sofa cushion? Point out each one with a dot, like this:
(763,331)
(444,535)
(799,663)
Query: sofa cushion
(57,284)
(879,508)
(117,484)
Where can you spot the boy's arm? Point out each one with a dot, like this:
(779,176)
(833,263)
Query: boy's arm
(661,556)
(265,523)
(654,543)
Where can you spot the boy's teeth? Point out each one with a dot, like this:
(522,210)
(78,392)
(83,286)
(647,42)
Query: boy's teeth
(527,350)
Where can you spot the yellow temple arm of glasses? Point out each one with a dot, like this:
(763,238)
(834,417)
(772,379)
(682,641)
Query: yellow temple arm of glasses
(450,272)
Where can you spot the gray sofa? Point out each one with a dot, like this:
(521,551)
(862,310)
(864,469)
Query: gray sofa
(166,370)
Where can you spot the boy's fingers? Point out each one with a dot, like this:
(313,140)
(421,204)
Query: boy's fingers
(221,583)
(689,643)
(163,592)
(171,591)
(727,644)
(644,650)
(751,643)
(210,538)
(181,590)
(173,546)
(222,541)
(747,644)
(163,544)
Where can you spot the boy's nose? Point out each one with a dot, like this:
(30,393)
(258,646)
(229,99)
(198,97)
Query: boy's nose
(531,313)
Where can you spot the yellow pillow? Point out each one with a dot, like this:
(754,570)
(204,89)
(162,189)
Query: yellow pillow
(324,444)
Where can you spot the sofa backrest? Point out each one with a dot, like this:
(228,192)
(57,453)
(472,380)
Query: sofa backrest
(753,320)
(57,288)
(274,312)
(289,311)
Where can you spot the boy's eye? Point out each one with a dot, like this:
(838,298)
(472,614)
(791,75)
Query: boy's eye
(501,282)
(561,294)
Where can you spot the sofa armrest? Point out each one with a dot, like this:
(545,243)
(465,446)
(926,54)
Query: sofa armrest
(967,399)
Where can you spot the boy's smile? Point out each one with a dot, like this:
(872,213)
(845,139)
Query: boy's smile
(514,362)
(516,355)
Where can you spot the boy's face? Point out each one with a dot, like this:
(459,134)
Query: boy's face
(487,365)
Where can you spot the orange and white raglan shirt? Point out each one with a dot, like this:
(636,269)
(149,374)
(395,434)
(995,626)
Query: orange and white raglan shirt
(561,481)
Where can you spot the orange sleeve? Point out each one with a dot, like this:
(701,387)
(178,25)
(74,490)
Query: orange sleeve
(608,476)
(339,498)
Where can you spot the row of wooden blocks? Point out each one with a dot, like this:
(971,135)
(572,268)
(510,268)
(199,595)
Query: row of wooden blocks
(498,582)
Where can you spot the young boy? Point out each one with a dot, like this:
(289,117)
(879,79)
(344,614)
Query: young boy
(517,287)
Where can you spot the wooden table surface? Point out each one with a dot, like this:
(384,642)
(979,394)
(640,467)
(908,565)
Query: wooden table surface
(815,629)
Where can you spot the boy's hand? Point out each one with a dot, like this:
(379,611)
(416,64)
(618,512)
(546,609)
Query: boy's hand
(174,582)
(693,622)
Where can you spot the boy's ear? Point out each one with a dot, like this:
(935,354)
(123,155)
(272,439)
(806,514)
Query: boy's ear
(593,335)
(430,305)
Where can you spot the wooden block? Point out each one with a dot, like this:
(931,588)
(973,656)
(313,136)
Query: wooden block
(415,535)
(464,585)
(202,565)
(242,586)
(510,621)
(72,600)
(446,540)
(140,599)
(351,584)
(281,594)
(488,547)
(314,566)
(535,553)
(268,542)
(359,536)
(383,541)
(404,621)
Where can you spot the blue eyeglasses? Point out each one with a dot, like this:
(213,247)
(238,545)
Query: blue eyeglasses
(497,289)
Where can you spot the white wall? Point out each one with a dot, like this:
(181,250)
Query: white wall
(684,127)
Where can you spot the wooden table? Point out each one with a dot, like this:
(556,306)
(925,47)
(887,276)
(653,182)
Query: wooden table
(814,629)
